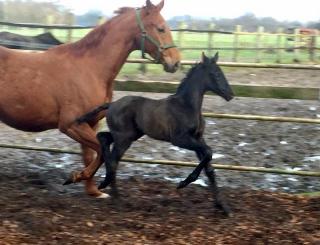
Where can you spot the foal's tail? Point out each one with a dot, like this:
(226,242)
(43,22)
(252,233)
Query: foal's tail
(87,117)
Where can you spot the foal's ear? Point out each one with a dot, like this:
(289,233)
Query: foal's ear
(160,5)
(215,58)
(204,58)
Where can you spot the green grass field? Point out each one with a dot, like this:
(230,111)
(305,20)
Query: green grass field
(200,41)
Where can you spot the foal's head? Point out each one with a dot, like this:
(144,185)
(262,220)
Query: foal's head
(155,37)
(214,78)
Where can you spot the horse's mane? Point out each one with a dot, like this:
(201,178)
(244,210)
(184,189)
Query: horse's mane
(95,36)
(122,10)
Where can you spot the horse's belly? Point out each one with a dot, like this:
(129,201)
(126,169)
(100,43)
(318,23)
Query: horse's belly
(29,115)
(27,123)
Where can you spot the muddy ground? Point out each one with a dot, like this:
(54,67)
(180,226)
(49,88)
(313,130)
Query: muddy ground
(36,209)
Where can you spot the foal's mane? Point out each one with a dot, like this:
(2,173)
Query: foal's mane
(183,83)
(95,36)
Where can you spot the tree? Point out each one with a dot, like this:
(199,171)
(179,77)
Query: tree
(89,18)
(27,11)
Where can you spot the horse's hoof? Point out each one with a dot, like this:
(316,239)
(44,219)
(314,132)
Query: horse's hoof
(68,182)
(103,196)
(74,177)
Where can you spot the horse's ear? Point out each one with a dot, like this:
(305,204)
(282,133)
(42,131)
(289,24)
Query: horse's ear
(204,58)
(215,58)
(149,4)
(160,5)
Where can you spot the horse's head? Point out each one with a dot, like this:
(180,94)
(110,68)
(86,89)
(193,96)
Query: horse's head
(214,77)
(155,37)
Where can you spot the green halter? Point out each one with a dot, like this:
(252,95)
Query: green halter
(145,36)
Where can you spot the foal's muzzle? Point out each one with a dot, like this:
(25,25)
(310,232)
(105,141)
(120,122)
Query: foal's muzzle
(228,96)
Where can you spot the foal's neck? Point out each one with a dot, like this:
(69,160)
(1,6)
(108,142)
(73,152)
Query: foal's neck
(191,92)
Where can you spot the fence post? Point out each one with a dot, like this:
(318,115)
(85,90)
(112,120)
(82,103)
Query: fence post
(279,46)
(236,43)
(258,43)
(312,46)
(296,44)
(210,38)
(49,21)
(180,33)
(70,21)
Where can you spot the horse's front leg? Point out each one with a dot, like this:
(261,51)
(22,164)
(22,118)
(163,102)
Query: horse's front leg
(86,136)
(91,188)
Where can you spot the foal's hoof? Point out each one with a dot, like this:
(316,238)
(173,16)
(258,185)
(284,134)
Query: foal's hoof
(182,184)
(224,208)
(103,185)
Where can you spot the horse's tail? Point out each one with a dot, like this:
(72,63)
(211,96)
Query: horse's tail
(87,117)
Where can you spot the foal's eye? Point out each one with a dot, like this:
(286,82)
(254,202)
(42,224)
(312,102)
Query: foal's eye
(161,29)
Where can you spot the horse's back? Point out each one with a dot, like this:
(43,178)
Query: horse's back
(4,53)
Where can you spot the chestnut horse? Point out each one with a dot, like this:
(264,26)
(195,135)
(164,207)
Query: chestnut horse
(41,91)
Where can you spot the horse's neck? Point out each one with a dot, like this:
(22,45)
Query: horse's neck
(107,48)
(191,93)
(113,51)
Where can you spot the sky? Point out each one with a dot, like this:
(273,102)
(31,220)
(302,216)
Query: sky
(303,11)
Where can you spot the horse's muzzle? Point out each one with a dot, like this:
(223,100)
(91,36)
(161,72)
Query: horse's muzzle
(171,67)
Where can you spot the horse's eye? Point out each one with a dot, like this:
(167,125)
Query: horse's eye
(161,29)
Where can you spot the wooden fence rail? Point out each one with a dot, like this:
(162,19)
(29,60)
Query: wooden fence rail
(173,163)
(299,43)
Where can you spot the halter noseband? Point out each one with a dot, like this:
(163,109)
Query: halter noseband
(145,36)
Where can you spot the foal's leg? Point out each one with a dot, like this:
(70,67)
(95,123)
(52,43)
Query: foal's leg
(210,172)
(219,200)
(201,148)
(118,150)
(106,139)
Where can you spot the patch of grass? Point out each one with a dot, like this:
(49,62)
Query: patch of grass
(310,194)
(201,41)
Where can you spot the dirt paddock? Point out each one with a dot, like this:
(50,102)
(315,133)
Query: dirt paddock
(152,212)
(36,209)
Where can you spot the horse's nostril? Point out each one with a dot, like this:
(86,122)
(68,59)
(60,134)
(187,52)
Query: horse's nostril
(177,64)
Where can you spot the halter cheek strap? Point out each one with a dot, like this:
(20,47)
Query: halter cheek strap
(145,36)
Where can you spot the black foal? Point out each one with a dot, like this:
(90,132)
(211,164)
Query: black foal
(176,119)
